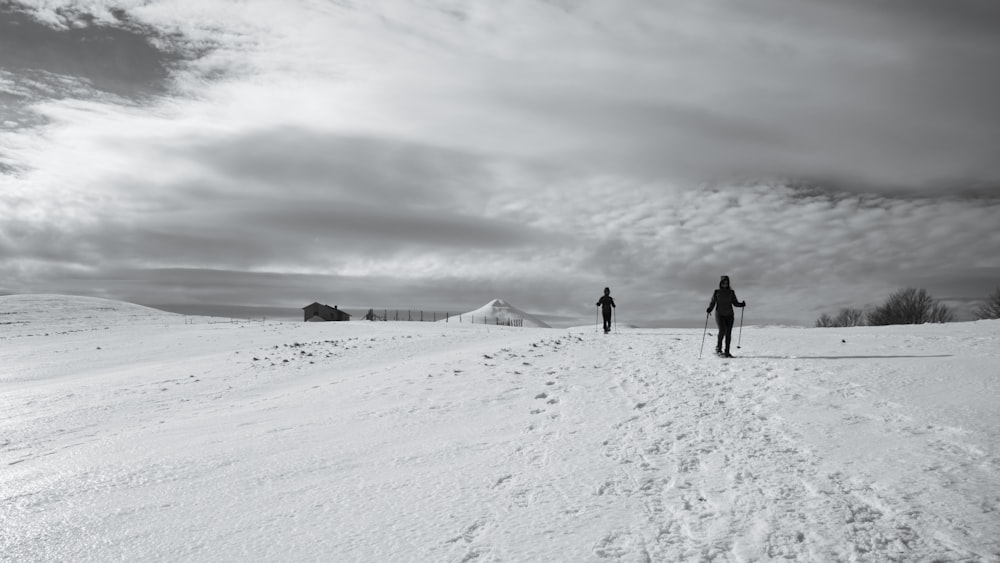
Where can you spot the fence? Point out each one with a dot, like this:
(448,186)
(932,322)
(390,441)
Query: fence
(208,320)
(410,315)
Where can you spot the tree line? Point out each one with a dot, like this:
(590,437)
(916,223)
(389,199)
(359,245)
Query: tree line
(907,306)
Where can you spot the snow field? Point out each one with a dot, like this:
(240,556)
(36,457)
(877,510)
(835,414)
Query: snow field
(134,435)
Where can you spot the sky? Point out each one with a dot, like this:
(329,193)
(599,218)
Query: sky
(203,154)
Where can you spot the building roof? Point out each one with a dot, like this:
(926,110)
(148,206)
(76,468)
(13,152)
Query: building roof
(321,306)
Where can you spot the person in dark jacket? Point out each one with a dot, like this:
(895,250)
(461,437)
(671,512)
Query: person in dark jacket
(606,303)
(723,301)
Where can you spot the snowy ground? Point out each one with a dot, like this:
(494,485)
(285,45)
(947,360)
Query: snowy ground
(129,434)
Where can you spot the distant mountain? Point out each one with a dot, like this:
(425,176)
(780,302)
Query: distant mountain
(500,310)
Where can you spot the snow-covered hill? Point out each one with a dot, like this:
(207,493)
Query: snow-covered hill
(499,311)
(133,440)
(41,310)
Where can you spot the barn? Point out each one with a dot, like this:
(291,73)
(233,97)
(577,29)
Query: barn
(319,313)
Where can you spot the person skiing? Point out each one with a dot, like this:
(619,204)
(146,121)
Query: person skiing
(723,301)
(606,302)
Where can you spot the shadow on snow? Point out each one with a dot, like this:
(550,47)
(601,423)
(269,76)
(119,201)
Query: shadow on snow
(846,357)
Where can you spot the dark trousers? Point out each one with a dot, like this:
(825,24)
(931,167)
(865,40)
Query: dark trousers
(725,323)
(607,319)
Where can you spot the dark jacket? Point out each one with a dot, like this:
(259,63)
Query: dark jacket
(725,299)
(606,302)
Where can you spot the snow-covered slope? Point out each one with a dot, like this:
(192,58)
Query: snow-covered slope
(499,311)
(456,442)
(42,310)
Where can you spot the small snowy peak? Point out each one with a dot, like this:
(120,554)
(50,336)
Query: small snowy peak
(68,310)
(499,311)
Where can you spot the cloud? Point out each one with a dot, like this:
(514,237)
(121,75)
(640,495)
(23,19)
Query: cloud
(791,249)
(317,163)
(111,58)
(849,92)
(75,55)
(295,200)
(433,152)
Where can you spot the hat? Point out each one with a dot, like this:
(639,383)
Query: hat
(724,279)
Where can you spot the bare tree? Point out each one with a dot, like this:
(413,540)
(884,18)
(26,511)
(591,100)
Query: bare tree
(824,321)
(941,313)
(910,306)
(990,309)
(848,316)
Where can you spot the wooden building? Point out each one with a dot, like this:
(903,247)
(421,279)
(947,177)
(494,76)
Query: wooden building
(319,313)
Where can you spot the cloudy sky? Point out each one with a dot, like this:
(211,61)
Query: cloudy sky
(435,154)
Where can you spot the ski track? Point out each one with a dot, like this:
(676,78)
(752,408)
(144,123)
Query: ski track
(486,444)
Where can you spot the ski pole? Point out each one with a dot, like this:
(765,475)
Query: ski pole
(740,339)
(703,337)
(595,320)
(614,314)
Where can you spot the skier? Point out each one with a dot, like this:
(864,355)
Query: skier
(725,299)
(606,303)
